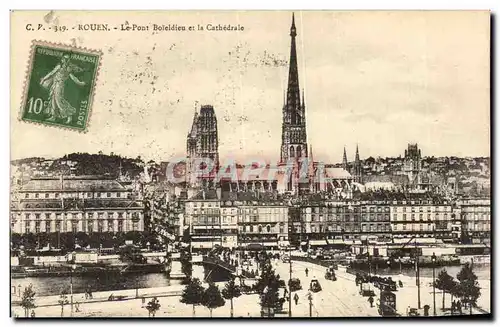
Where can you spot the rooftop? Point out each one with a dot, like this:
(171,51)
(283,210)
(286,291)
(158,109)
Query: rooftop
(72,184)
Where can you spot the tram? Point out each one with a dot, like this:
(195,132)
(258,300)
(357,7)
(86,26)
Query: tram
(387,304)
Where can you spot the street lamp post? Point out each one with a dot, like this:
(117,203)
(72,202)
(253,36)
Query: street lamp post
(309,297)
(434,281)
(136,285)
(417,271)
(290,283)
(369,265)
(71,268)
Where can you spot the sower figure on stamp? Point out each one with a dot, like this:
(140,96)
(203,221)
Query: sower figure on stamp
(58,107)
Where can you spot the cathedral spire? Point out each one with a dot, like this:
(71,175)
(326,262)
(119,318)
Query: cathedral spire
(293,134)
(293,92)
(358,170)
(344,160)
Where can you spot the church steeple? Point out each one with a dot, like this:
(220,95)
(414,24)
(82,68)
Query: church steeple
(358,170)
(293,92)
(294,134)
(344,160)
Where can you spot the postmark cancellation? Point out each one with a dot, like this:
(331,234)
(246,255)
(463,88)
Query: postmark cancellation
(60,85)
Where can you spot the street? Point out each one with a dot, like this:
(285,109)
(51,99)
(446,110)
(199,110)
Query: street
(338,298)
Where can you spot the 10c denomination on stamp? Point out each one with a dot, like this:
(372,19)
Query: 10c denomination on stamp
(59,86)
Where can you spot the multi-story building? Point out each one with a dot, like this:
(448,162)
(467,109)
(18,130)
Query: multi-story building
(203,217)
(475,220)
(323,223)
(264,223)
(75,204)
(421,216)
(376,220)
(229,223)
(371,219)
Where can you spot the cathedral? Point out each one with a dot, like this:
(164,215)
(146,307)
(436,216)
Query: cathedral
(296,172)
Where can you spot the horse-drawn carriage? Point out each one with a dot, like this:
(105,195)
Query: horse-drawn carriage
(366,290)
(295,285)
(315,286)
(330,274)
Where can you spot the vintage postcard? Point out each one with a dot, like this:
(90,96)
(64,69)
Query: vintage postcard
(249,164)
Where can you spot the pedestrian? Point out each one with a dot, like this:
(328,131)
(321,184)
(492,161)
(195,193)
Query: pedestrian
(307,272)
(459,306)
(453,306)
(426,310)
(296,298)
(370,299)
(32,313)
(77,306)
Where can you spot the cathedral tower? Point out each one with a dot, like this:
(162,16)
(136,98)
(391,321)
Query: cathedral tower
(203,143)
(294,135)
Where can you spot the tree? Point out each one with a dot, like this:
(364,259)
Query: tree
(453,289)
(468,286)
(63,300)
(186,265)
(28,300)
(267,277)
(231,291)
(193,293)
(212,298)
(268,286)
(153,306)
(444,282)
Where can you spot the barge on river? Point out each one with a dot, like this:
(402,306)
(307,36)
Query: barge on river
(88,270)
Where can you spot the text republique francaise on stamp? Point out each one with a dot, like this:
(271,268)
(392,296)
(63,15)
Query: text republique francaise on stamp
(59,86)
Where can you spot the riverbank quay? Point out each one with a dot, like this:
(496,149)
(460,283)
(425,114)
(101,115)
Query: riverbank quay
(104,296)
(130,306)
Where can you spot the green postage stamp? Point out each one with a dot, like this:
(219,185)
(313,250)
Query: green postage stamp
(60,85)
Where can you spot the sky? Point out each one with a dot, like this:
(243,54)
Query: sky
(377,79)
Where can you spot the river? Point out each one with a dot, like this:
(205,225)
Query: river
(54,285)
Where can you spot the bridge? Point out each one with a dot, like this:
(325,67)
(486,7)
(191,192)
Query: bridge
(213,263)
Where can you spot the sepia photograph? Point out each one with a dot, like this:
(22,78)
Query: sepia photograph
(250,164)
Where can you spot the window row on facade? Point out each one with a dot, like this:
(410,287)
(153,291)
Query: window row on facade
(84,195)
(90,226)
(77,215)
